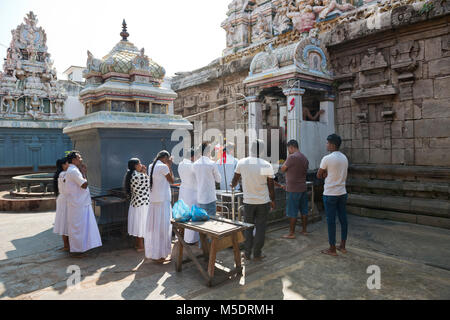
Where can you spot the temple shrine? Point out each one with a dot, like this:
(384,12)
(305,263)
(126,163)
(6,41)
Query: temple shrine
(31,102)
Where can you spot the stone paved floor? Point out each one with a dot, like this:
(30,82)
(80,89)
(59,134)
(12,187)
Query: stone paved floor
(414,262)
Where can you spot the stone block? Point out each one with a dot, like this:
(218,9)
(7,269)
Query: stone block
(436,108)
(388,215)
(433,128)
(398,144)
(440,67)
(423,89)
(432,157)
(440,143)
(397,129)
(380,156)
(398,156)
(431,207)
(442,88)
(433,48)
(408,129)
(434,221)
(376,130)
(360,155)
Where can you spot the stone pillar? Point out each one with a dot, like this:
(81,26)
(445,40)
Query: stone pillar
(327,104)
(294,112)
(109,105)
(137,106)
(150,107)
(254,119)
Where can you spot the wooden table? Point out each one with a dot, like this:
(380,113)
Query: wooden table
(217,229)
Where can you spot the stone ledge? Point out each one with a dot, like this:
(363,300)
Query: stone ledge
(400,216)
(428,207)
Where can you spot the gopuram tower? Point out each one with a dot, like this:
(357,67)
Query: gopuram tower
(31,102)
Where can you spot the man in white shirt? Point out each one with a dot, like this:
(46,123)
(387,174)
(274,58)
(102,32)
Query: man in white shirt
(333,168)
(82,226)
(188,191)
(227,164)
(259,195)
(206,174)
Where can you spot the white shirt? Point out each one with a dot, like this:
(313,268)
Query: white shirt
(207,174)
(336,164)
(61,183)
(187,176)
(254,173)
(228,173)
(76,196)
(160,191)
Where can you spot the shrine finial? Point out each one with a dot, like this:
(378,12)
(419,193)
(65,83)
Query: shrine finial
(124,34)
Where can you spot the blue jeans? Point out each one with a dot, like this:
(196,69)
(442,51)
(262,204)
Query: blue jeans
(335,205)
(210,208)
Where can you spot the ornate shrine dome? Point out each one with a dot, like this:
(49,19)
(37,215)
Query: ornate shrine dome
(125,80)
(125,57)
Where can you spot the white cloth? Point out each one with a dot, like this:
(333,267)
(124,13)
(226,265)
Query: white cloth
(227,171)
(158,237)
(82,226)
(254,173)
(160,190)
(138,211)
(336,164)
(188,193)
(61,227)
(206,174)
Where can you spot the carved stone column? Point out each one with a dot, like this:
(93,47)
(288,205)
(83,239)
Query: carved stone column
(254,118)
(294,112)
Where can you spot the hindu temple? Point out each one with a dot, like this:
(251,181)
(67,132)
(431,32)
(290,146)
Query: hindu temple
(375,72)
(127,114)
(31,102)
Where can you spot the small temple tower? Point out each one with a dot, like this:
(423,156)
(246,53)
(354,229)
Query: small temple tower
(31,102)
(127,114)
(125,80)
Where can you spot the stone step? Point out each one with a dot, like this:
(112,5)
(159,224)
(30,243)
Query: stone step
(414,173)
(442,188)
(400,216)
(427,207)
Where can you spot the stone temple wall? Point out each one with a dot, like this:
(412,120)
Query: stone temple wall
(392,108)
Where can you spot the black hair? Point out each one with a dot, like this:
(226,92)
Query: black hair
(72,155)
(192,152)
(335,139)
(293,143)
(159,156)
(204,146)
(131,168)
(59,169)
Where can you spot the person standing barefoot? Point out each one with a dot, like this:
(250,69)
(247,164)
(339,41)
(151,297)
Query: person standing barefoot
(137,189)
(158,236)
(333,169)
(60,225)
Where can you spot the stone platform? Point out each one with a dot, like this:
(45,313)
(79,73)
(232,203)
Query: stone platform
(26,204)
(414,262)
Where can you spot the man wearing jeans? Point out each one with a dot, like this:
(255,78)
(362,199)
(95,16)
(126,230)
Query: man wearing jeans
(259,195)
(296,168)
(206,174)
(333,169)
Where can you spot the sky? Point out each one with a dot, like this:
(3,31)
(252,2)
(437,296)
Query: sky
(180,35)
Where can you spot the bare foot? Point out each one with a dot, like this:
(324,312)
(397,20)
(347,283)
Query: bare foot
(258,259)
(329,252)
(343,250)
(63,249)
(304,233)
(140,249)
(289,236)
